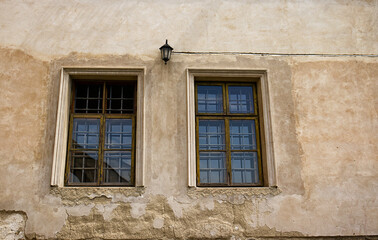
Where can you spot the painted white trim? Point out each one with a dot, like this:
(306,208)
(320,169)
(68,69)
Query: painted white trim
(62,118)
(261,74)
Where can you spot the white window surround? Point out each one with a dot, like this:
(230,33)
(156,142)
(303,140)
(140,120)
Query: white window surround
(62,121)
(262,85)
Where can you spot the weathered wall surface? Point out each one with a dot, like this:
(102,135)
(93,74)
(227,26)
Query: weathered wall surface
(324,115)
(12,225)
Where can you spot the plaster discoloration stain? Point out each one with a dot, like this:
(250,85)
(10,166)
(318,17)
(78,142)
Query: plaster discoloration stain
(137,209)
(107,210)
(79,210)
(158,222)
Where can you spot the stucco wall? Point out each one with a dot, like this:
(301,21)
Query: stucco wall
(323,113)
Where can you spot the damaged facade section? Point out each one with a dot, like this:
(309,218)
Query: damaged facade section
(12,225)
(320,69)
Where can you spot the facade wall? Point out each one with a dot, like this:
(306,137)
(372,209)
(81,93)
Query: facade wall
(322,68)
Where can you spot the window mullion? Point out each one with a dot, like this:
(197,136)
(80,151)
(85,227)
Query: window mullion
(228,151)
(101,151)
(100,179)
(227,129)
(225,99)
(104,96)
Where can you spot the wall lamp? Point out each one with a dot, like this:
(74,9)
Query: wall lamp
(166,52)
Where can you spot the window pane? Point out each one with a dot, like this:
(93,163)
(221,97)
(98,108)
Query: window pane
(118,134)
(120,98)
(85,133)
(210,99)
(83,166)
(242,135)
(213,167)
(240,99)
(244,167)
(117,166)
(211,135)
(88,98)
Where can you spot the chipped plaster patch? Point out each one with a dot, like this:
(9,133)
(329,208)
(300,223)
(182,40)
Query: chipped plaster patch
(80,210)
(117,197)
(176,207)
(107,210)
(12,225)
(137,209)
(207,203)
(158,222)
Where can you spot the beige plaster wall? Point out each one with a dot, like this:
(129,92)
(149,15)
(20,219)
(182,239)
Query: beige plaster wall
(56,28)
(324,115)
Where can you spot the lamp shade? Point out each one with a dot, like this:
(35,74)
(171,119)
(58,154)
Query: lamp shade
(166,52)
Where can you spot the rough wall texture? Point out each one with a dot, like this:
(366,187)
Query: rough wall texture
(323,112)
(12,225)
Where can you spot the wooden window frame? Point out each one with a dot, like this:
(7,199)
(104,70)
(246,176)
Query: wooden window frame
(67,76)
(226,115)
(103,116)
(258,77)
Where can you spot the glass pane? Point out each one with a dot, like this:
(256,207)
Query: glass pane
(243,135)
(83,166)
(85,133)
(120,98)
(213,167)
(112,175)
(209,99)
(245,167)
(90,176)
(117,166)
(125,175)
(88,98)
(76,176)
(118,134)
(240,99)
(211,135)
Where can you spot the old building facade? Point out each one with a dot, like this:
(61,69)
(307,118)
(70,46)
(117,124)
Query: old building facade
(288,89)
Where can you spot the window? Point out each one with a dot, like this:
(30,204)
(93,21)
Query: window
(102,133)
(99,128)
(227,133)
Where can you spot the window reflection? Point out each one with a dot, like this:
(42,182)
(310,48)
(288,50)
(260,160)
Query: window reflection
(211,134)
(85,133)
(242,135)
(117,166)
(244,167)
(83,167)
(240,99)
(209,99)
(118,133)
(213,167)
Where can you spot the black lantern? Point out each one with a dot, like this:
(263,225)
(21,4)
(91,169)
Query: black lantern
(166,52)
